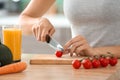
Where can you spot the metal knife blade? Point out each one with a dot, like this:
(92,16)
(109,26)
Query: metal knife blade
(53,43)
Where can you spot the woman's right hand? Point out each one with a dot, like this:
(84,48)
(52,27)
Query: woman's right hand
(42,28)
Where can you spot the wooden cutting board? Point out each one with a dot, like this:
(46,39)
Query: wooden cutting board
(51,59)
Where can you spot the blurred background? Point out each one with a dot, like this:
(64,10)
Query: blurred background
(9,14)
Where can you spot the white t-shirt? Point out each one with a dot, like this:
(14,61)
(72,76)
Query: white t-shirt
(97,20)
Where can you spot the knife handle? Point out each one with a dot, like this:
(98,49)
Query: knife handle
(48,38)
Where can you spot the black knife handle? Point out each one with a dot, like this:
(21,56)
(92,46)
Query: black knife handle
(48,38)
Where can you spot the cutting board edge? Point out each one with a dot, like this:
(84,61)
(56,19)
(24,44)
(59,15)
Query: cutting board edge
(50,62)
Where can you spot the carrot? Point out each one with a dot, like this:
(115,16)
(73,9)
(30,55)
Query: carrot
(13,68)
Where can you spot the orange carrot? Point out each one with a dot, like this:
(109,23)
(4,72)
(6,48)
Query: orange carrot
(13,68)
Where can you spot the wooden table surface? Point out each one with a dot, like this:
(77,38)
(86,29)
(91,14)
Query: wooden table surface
(63,72)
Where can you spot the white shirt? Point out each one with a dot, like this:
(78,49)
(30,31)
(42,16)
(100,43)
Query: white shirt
(97,20)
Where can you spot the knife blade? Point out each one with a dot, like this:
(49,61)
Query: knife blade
(53,43)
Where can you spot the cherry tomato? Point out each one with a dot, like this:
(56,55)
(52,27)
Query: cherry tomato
(76,64)
(104,61)
(59,53)
(87,64)
(95,63)
(113,61)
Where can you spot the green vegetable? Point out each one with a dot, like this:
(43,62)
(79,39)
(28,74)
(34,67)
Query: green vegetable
(6,56)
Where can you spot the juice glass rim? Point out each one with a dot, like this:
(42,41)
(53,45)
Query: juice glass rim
(11,26)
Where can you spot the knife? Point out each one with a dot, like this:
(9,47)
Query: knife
(53,43)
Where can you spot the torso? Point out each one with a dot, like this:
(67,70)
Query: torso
(97,20)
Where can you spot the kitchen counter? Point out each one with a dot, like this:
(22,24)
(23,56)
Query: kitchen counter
(63,72)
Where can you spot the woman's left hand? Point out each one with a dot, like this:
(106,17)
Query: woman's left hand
(79,46)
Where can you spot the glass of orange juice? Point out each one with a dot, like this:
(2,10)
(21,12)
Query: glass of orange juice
(12,38)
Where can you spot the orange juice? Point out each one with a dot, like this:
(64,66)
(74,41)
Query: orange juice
(12,39)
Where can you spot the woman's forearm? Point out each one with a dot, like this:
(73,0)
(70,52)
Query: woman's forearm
(32,14)
(26,23)
(113,49)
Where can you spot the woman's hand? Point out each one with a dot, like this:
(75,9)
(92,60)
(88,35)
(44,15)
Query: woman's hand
(42,28)
(79,46)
